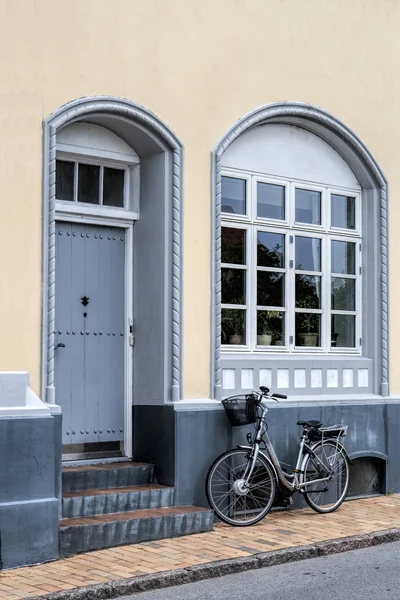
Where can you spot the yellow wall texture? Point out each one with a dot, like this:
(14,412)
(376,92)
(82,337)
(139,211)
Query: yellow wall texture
(199,65)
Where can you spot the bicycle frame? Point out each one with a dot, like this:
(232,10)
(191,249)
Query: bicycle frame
(290,481)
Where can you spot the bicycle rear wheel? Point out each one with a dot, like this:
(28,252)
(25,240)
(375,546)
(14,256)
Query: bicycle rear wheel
(329,460)
(233,501)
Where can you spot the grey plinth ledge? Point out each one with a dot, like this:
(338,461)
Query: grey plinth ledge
(30,447)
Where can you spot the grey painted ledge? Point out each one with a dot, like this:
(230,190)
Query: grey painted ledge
(144,583)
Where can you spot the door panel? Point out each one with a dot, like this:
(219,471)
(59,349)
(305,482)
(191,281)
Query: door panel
(90,269)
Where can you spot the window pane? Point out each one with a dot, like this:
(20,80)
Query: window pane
(270,328)
(308,207)
(308,253)
(113,187)
(343,331)
(270,250)
(343,294)
(343,257)
(270,289)
(233,193)
(308,291)
(64,180)
(233,286)
(233,326)
(343,211)
(308,329)
(88,183)
(270,201)
(233,246)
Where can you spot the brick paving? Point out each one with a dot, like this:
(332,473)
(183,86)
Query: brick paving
(278,530)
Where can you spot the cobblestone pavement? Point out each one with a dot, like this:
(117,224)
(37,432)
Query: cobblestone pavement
(278,530)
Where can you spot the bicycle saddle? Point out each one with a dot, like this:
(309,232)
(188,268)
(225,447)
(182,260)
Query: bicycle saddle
(315,424)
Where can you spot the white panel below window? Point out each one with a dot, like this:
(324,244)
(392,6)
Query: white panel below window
(362,377)
(316,378)
(299,378)
(282,378)
(266,377)
(348,378)
(228,379)
(247,379)
(332,378)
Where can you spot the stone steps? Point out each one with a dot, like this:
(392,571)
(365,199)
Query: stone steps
(85,503)
(104,531)
(112,475)
(115,504)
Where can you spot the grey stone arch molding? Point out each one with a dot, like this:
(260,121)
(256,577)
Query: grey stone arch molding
(372,180)
(150,130)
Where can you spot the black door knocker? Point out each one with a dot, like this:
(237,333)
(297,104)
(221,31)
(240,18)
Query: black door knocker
(85,300)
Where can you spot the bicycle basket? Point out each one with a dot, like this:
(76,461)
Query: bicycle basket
(241,410)
(324,433)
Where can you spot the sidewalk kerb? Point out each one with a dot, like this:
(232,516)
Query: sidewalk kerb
(164,579)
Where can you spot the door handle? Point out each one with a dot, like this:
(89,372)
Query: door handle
(59,346)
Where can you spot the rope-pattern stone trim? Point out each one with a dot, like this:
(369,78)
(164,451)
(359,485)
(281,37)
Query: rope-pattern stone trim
(276,113)
(119,107)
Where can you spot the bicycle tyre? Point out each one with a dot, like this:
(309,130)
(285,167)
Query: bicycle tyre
(327,450)
(236,508)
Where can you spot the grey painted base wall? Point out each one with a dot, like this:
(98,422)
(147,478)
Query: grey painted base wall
(184,443)
(30,489)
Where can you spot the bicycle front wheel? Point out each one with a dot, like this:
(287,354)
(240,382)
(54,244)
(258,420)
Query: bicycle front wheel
(329,460)
(233,501)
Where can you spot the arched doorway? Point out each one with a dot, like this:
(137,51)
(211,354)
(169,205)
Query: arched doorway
(112,171)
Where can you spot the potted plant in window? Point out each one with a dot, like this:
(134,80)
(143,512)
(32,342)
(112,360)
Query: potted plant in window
(308,325)
(232,327)
(264,329)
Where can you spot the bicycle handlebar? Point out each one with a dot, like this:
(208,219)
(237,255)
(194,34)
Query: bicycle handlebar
(266,392)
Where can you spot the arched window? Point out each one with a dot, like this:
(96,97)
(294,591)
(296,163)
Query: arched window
(291,245)
(300,257)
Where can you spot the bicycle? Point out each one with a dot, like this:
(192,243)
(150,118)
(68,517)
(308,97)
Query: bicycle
(241,483)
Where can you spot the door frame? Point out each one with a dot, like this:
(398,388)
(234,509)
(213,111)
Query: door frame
(127,225)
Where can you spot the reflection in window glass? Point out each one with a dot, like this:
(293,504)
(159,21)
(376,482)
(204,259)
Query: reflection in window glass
(233,192)
(343,257)
(343,331)
(233,282)
(270,249)
(270,328)
(308,253)
(308,291)
(64,180)
(233,250)
(343,211)
(308,329)
(113,187)
(270,289)
(233,326)
(343,294)
(88,183)
(270,201)
(308,207)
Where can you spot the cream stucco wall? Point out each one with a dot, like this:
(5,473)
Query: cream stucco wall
(199,65)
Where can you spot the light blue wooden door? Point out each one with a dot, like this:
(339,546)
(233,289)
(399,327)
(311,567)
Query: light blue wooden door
(90,332)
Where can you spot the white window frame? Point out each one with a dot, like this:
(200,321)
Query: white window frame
(288,227)
(131,167)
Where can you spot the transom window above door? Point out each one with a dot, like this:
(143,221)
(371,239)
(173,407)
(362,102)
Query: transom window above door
(90,183)
(97,174)
(290,266)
